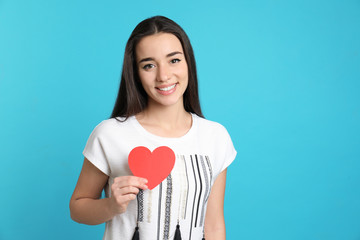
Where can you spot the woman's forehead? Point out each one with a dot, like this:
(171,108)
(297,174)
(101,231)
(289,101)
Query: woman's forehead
(158,45)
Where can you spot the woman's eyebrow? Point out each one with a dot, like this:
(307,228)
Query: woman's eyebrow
(146,60)
(168,55)
(173,53)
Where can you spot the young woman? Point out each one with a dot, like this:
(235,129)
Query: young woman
(157,105)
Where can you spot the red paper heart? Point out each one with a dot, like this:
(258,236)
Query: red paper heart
(154,166)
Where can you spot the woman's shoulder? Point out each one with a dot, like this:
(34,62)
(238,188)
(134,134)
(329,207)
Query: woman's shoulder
(111,125)
(209,125)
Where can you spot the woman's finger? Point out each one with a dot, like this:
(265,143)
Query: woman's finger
(127,190)
(125,181)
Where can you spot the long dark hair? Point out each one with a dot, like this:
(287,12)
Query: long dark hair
(132,98)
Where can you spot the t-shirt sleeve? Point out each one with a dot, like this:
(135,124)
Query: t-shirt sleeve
(94,149)
(227,152)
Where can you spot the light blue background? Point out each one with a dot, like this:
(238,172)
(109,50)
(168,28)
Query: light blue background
(282,76)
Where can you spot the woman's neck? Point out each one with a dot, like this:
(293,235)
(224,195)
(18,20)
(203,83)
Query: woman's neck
(172,121)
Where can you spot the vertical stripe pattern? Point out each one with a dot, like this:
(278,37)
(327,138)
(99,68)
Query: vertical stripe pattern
(149,208)
(182,195)
(168,198)
(140,199)
(185,201)
(159,211)
(184,184)
(209,166)
(193,206)
(207,192)
(200,190)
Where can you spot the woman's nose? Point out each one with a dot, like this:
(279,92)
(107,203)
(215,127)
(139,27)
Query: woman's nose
(163,73)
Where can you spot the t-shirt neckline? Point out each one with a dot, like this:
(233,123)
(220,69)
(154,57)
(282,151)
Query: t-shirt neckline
(140,128)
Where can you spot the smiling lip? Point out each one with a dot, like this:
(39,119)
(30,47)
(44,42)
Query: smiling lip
(166,89)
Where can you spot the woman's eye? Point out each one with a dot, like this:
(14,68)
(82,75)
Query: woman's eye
(148,66)
(175,60)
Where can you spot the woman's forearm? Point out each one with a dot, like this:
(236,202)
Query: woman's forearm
(91,211)
(219,234)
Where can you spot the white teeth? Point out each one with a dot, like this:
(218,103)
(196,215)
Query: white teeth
(168,88)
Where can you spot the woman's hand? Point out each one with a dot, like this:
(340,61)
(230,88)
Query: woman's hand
(86,204)
(123,190)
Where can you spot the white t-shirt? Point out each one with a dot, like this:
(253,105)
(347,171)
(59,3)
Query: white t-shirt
(201,154)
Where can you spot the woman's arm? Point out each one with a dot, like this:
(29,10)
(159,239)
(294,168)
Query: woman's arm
(85,204)
(214,218)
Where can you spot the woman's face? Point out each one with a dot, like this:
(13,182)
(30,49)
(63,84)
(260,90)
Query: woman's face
(162,68)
